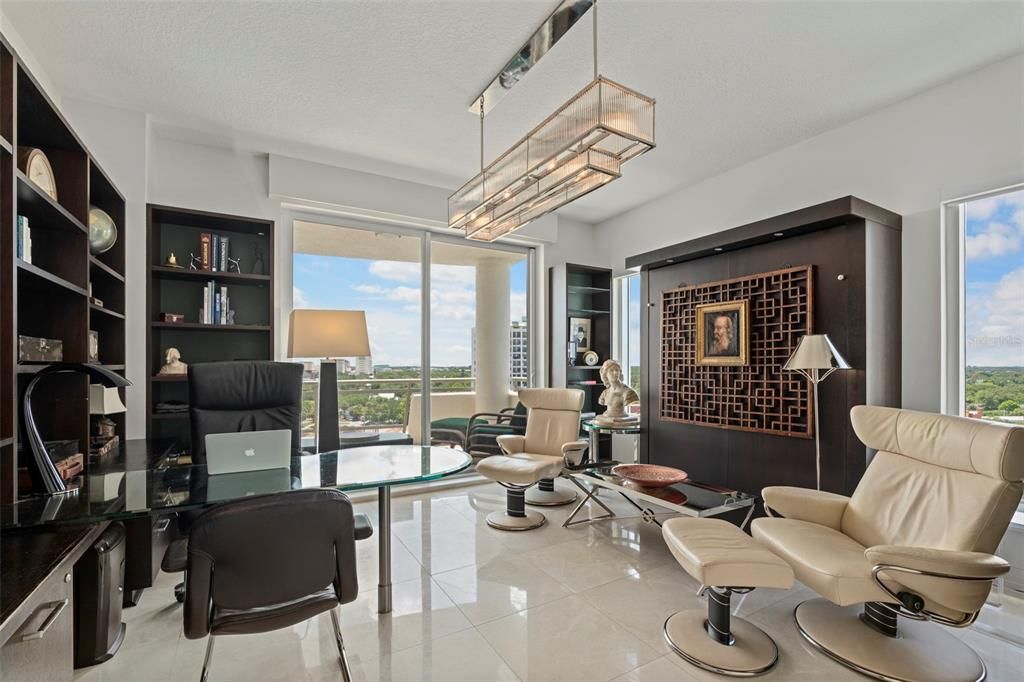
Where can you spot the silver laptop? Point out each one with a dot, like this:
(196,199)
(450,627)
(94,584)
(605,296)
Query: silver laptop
(229,453)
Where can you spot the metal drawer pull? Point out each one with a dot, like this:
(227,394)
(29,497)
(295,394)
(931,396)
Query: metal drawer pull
(162,525)
(58,608)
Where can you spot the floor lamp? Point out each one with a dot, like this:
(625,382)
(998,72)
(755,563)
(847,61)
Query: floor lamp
(815,357)
(328,334)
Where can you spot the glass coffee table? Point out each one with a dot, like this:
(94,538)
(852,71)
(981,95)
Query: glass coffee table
(689,498)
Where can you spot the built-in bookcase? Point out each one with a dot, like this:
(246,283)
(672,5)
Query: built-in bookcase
(180,291)
(64,292)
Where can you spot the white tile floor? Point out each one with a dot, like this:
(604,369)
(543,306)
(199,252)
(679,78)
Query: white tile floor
(476,604)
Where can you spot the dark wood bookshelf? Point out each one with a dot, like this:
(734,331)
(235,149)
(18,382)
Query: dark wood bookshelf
(180,290)
(50,296)
(580,291)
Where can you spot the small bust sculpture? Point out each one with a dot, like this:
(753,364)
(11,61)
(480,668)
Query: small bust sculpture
(616,395)
(173,363)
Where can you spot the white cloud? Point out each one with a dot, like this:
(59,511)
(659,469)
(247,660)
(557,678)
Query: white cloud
(299,299)
(995,323)
(982,209)
(997,239)
(397,271)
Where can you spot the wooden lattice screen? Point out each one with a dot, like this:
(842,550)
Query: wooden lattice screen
(761,396)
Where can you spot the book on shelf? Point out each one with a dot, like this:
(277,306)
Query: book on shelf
(205,244)
(215,253)
(222,257)
(216,304)
(24,244)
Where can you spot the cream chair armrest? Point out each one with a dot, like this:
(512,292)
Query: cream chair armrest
(804,504)
(511,443)
(939,562)
(574,452)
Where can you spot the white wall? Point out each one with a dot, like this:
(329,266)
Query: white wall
(961,137)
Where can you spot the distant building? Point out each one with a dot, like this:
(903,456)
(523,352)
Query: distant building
(519,354)
(364,365)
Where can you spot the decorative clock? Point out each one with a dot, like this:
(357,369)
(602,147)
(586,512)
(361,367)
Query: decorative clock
(37,168)
(591,358)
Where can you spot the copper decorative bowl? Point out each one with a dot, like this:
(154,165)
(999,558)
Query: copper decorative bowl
(650,475)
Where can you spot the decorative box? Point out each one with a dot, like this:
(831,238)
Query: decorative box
(34,349)
(172,317)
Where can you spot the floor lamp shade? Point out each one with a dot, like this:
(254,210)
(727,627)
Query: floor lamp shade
(816,357)
(328,334)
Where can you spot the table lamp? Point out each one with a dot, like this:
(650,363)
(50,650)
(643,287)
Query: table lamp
(328,334)
(815,357)
(104,400)
(44,473)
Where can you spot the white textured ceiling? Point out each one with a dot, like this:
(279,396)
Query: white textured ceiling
(389,82)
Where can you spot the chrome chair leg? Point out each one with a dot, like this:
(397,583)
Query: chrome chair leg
(206,659)
(346,676)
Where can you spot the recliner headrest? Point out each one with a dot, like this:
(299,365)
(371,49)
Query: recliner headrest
(570,399)
(989,448)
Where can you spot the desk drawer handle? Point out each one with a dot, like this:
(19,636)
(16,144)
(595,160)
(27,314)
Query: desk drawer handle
(57,608)
(161,525)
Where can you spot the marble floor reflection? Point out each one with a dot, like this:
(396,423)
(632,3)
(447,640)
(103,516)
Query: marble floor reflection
(476,604)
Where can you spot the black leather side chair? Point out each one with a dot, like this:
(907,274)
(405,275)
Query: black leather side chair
(234,397)
(268,562)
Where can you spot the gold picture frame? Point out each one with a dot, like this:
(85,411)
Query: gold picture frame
(723,333)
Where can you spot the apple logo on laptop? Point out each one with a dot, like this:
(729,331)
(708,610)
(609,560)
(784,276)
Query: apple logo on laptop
(249,452)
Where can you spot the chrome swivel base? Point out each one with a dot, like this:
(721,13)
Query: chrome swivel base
(546,495)
(751,652)
(502,520)
(921,652)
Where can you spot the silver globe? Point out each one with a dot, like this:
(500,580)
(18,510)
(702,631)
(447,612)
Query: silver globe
(102,231)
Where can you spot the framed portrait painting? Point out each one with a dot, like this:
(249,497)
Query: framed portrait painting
(723,333)
(579,333)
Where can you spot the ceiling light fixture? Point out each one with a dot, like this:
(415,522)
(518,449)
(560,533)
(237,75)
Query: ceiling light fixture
(577,149)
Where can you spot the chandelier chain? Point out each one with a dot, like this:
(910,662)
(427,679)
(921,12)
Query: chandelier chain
(595,39)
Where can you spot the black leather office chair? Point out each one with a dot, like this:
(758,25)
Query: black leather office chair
(250,571)
(233,397)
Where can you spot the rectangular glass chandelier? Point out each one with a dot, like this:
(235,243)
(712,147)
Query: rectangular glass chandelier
(578,148)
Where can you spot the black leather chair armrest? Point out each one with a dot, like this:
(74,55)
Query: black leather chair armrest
(363,529)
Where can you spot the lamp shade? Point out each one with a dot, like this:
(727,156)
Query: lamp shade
(815,351)
(328,334)
(104,400)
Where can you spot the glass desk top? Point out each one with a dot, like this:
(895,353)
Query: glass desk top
(689,497)
(122,488)
(594,427)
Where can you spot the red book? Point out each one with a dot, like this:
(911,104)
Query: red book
(205,250)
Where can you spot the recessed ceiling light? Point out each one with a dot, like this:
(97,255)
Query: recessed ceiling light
(671,260)
(718,248)
(778,234)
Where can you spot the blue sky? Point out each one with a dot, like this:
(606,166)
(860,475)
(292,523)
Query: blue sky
(389,292)
(994,269)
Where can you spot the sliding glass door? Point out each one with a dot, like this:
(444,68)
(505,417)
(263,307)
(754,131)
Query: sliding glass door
(474,336)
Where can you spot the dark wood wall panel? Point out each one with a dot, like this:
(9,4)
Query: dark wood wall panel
(748,460)
(759,396)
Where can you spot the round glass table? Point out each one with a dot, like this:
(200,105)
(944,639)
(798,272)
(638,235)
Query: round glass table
(124,488)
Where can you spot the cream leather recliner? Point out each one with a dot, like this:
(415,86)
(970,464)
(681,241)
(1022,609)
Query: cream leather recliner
(913,544)
(552,433)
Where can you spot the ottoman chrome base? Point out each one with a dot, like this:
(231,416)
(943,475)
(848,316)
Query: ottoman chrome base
(752,652)
(920,652)
(546,495)
(502,520)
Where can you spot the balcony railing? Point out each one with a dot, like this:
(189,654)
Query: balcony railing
(375,404)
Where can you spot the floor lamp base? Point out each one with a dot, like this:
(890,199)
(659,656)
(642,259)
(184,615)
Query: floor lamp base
(327,439)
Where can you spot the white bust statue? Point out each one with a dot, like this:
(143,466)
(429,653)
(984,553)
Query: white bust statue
(173,363)
(616,395)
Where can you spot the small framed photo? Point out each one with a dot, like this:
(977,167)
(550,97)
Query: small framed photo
(579,333)
(723,333)
(94,346)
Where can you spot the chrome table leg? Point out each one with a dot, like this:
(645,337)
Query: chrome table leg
(384,551)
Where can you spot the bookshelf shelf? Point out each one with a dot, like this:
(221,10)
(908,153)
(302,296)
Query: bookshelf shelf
(200,276)
(106,311)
